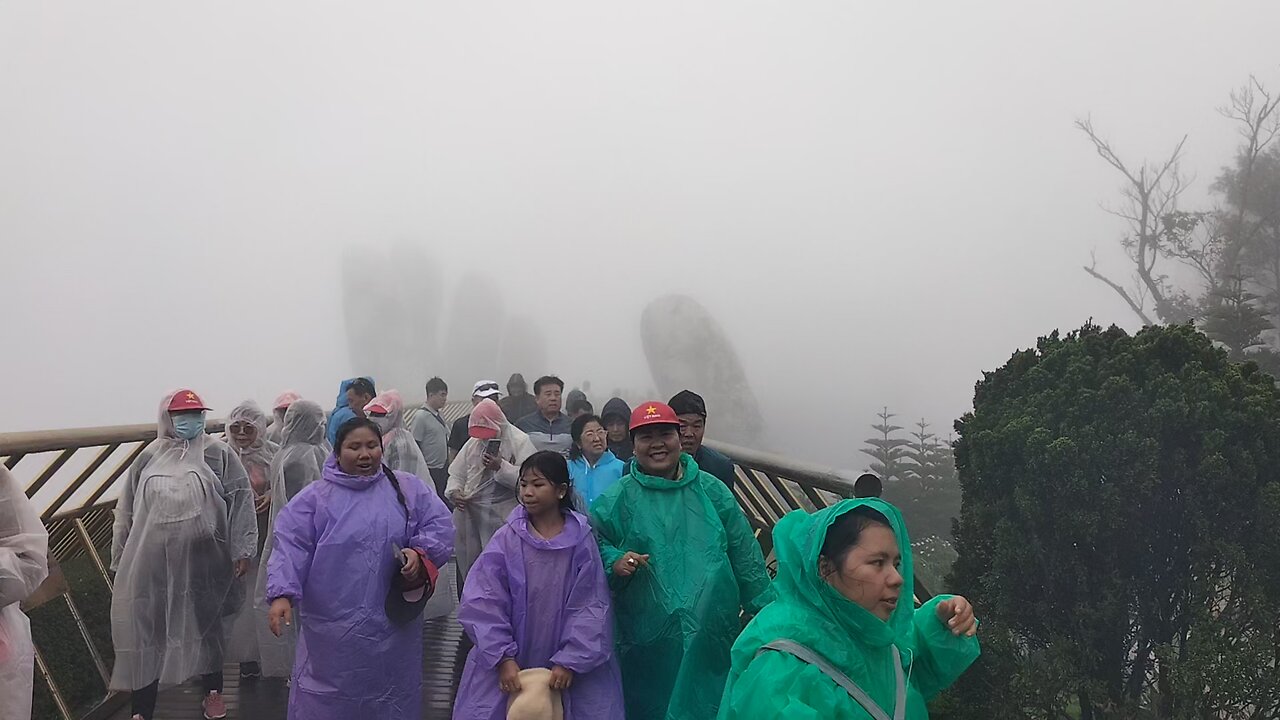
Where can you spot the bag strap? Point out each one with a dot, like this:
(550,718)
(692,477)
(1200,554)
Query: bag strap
(804,654)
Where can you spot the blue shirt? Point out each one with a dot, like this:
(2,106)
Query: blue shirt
(591,481)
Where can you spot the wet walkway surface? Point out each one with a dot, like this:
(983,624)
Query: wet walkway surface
(268,698)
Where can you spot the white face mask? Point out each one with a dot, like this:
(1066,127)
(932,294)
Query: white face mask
(384,423)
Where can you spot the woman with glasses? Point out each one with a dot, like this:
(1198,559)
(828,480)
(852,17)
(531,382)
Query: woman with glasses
(592,466)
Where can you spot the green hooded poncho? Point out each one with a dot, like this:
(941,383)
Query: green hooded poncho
(810,612)
(677,619)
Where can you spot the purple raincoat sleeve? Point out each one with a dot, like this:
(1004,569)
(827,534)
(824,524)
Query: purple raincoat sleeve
(295,544)
(485,609)
(587,639)
(432,523)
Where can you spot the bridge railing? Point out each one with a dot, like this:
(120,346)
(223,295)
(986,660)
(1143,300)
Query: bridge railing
(72,476)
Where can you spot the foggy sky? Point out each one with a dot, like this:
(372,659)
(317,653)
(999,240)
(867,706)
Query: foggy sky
(877,200)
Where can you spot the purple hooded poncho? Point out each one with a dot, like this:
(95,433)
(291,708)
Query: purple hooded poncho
(544,603)
(333,559)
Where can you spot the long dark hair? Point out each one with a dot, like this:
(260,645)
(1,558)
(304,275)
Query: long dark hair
(575,431)
(351,426)
(553,467)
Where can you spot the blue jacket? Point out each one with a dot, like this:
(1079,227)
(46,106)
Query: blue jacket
(341,411)
(591,481)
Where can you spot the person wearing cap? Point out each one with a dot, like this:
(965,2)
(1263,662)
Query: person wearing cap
(24,564)
(275,432)
(518,402)
(617,416)
(431,433)
(246,434)
(548,428)
(184,530)
(692,411)
(353,395)
(682,563)
(458,434)
(399,451)
(482,480)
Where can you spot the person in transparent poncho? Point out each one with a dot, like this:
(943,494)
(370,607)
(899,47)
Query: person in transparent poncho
(482,486)
(275,433)
(299,463)
(24,564)
(247,435)
(400,451)
(184,530)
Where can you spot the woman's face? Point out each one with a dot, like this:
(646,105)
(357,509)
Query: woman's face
(538,494)
(593,440)
(869,574)
(243,434)
(360,452)
(657,449)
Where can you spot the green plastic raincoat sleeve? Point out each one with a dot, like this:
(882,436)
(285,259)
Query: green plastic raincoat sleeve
(754,588)
(607,537)
(776,686)
(940,656)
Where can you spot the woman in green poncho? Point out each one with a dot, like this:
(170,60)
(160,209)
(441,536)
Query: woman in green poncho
(682,563)
(844,640)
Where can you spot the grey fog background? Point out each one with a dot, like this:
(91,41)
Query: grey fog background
(878,201)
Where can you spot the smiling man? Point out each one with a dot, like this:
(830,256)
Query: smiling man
(681,562)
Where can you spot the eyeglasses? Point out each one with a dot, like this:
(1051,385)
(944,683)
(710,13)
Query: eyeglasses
(594,433)
(241,428)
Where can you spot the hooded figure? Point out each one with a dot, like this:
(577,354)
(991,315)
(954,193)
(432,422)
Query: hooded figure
(342,411)
(24,563)
(184,518)
(296,465)
(242,642)
(518,403)
(483,497)
(275,433)
(399,450)
(333,558)
(617,410)
(765,683)
(543,603)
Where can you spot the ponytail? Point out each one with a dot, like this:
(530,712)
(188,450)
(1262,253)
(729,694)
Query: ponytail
(395,485)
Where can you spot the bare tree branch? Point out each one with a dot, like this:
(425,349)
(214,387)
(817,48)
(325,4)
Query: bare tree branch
(1133,305)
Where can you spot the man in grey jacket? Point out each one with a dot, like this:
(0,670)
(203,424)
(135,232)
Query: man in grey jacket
(548,428)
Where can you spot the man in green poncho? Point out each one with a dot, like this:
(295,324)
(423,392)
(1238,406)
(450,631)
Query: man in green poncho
(844,623)
(682,563)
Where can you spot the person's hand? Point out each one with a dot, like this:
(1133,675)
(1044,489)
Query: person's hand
(413,570)
(261,503)
(459,502)
(240,568)
(280,616)
(561,678)
(509,676)
(627,565)
(492,462)
(957,614)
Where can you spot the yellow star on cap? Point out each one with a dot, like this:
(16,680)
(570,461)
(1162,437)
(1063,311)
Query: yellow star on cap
(651,410)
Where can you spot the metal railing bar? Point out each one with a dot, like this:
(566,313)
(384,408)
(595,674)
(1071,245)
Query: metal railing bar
(775,508)
(752,490)
(87,540)
(84,633)
(49,470)
(13,460)
(80,480)
(834,480)
(63,709)
(783,486)
(115,474)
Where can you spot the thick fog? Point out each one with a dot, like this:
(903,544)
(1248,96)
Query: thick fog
(877,201)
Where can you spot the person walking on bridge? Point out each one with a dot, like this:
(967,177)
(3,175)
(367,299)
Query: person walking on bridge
(617,416)
(458,433)
(518,403)
(357,554)
(399,451)
(353,395)
(548,428)
(844,639)
(246,434)
(692,411)
(184,531)
(431,433)
(275,433)
(682,563)
(299,463)
(24,564)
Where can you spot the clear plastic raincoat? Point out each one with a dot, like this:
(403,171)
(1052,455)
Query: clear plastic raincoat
(333,557)
(678,617)
(298,464)
(769,684)
(184,516)
(543,603)
(399,450)
(242,642)
(275,433)
(489,495)
(24,563)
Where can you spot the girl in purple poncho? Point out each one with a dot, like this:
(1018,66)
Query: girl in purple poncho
(350,551)
(537,598)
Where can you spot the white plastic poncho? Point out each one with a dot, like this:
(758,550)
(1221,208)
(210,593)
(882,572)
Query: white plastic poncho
(489,496)
(24,564)
(298,464)
(185,514)
(275,433)
(242,641)
(399,450)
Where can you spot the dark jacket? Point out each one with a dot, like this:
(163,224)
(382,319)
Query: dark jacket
(716,463)
(617,407)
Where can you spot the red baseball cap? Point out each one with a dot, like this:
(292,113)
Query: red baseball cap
(653,413)
(186,401)
(377,408)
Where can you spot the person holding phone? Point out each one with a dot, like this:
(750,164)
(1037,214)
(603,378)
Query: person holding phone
(482,480)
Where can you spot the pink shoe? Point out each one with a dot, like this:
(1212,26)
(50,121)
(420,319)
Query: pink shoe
(214,707)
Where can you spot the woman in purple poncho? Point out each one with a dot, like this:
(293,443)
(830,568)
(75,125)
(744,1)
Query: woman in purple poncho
(537,598)
(338,547)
